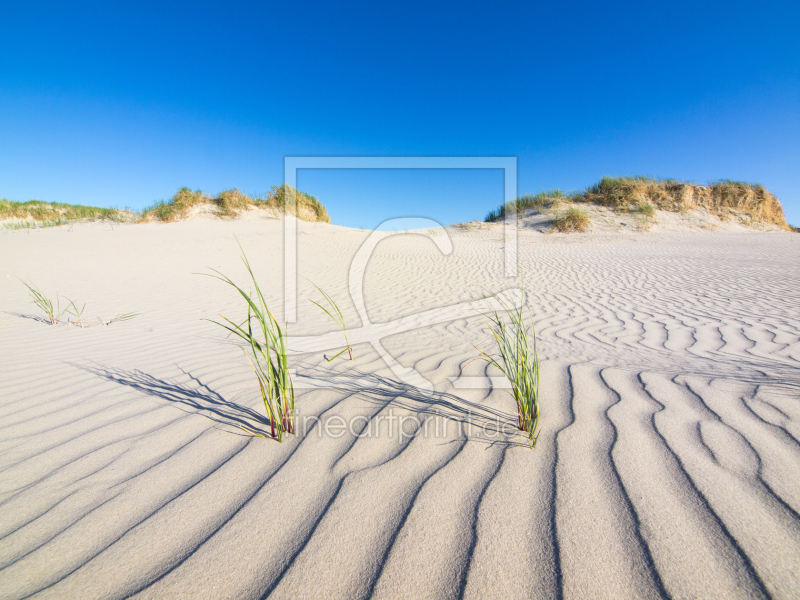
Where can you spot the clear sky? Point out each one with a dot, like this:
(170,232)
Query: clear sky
(121,103)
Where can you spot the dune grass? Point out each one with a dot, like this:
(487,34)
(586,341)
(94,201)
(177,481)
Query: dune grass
(337,317)
(36,213)
(230,203)
(518,360)
(55,314)
(571,220)
(646,209)
(121,317)
(226,204)
(28,225)
(308,208)
(545,199)
(52,311)
(645,195)
(269,361)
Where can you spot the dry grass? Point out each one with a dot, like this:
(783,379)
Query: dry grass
(572,220)
(547,199)
(644,195)
(227,204)
(36,212)
(308,208)
(231,203)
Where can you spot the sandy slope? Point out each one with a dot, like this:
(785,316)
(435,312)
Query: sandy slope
(668,463)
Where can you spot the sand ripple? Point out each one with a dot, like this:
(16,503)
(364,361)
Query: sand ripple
(668,463)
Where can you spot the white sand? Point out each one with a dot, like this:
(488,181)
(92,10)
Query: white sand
(668,463)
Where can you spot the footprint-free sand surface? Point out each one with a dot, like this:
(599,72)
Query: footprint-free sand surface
(668,464)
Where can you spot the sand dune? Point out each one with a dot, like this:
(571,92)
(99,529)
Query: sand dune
(667,466)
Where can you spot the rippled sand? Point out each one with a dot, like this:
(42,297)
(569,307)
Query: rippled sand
(668,463)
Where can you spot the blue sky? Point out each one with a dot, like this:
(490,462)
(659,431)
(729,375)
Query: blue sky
(119,104)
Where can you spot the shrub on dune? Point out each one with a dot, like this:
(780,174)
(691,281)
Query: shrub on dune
(573,219)
(640,194)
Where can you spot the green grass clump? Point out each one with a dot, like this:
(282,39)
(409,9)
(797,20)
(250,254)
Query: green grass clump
(571,220)
(177,207)
(519,362)
(631,194)
(47,214)
(546,199)
(269,361)
(337,317)
(308,208)
(646,210)
(230,203)
(45,304)
(55,314)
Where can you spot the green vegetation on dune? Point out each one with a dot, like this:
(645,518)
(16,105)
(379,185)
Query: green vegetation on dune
(574,219)
(646,194)
(35,212)
(230,203)
(226,204)
(541,200)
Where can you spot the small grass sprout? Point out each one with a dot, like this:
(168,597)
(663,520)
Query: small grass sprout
(55,315)
(53,312)
(122,317)
(518,360)
(267,355)
(45,304)
(337,317)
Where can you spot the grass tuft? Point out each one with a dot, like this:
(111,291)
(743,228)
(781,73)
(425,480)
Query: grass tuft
(267,354)
(230,203)
(337,317)
(546,199)
(646,209)
(518,360)
(55,314)
(572,220)
(35,213)
(308,208)
(45,304)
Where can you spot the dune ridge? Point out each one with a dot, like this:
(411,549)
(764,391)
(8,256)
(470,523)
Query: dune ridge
(749,204)
(666,467)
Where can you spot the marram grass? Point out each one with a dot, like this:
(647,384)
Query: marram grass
(518,360)
(633,194)
(573,219)
(267,356)
(337,317)
(54,313)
